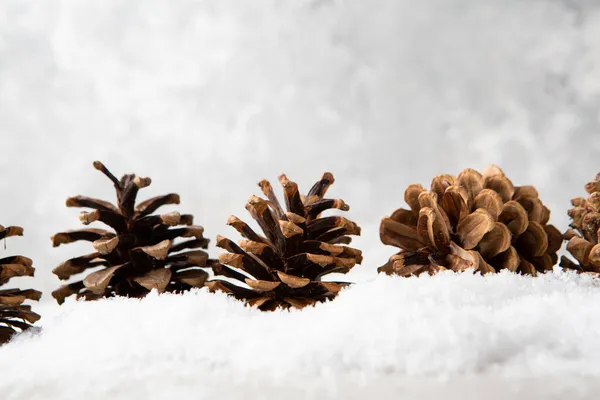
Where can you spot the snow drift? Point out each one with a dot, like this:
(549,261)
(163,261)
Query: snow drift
(440,331)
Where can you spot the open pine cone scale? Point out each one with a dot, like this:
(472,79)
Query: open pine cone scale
(140,253)
(284,267)
(473,221)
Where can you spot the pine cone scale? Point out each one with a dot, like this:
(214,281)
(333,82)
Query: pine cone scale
(88,202)
(514,217)
(534,241)
(496,241)
(10,231)
(151,205)
(594,256)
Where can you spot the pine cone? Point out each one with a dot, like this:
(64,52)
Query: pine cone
(140,254)
(477,221)
(284,269)
(583,238)
(13,313)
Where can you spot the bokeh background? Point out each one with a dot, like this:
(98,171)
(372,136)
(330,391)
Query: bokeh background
(208,97)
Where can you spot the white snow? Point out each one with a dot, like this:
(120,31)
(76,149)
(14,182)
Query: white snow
(207,97)
(388,336)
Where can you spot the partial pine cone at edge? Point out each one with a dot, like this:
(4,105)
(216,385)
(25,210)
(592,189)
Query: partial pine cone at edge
(478,221)
(283,268)
(14,315)
(583,237)
(139,253)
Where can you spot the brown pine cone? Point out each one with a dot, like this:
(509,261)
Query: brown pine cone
(139,254)
(583,238)
(473,221)
(14,315)
(284,268)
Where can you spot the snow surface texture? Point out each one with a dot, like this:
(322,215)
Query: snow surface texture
(208,97)
(385,338)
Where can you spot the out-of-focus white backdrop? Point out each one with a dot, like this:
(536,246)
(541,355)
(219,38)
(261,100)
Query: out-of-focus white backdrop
(208,97)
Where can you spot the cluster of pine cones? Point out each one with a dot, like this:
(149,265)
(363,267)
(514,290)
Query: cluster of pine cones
(477,221)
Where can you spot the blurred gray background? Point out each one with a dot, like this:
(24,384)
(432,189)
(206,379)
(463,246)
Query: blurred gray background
(208,97)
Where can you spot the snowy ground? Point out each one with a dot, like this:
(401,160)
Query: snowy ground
(460,336)
(209,96)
